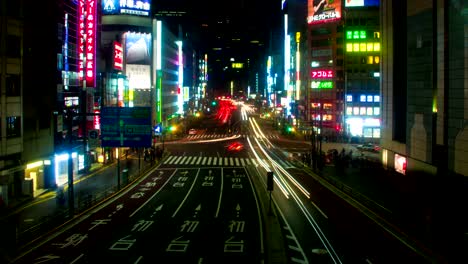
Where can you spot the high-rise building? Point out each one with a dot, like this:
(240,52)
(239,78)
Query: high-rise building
(424,78)
(361,49)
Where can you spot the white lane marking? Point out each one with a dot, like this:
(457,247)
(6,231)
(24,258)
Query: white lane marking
(318,209)
(187,194)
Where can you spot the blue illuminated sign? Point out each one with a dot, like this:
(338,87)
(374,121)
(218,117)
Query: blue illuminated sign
(126,127)
(158,129)
(128,7)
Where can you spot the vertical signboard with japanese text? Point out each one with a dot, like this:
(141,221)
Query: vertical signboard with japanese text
(118,56)
(87,14)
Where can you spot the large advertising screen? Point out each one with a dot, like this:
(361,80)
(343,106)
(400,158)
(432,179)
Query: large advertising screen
(138,76)
(126,7)
(322,11)
(137,48)
(354,3)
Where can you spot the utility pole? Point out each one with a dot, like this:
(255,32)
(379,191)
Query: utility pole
(71,194)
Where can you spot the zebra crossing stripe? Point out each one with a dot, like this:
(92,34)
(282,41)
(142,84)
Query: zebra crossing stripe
(168,161)
(216,161)
(178,160)
(254,162)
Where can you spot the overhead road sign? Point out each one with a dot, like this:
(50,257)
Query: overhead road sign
(126,127)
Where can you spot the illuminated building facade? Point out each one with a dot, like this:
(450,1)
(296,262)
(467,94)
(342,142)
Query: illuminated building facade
(41,84)
(362,50)
(324,72)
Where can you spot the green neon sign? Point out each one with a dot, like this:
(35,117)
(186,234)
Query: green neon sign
(322,85)
(356,34)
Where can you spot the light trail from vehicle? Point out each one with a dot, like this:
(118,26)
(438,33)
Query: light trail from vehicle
(280,178)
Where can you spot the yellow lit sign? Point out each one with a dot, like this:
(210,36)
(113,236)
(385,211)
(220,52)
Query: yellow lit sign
(363,47)
(237,65)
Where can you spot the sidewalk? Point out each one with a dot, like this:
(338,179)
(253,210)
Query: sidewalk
(27,219)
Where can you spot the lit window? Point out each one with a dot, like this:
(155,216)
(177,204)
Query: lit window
(363,98)
(362,111)
(376,133)
(376,46)
(369,98)
(349,110)
(362,47)
(376,110)
(376,35)
(349,47)
(356,110)
(377,59)
(370,60)
(13,126)
(362,34)
(349,98)
(349,34)
(356,34)
(376,98)
(369,110)
(367,132)
(370,46)
(355,46)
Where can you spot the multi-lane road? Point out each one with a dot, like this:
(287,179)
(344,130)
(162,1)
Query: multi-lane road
(205,204)
(192,215)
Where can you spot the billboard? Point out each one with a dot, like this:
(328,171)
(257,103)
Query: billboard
(354,3)
(137,48)
(138,76)
(322,11)
(127,7)
(87,15)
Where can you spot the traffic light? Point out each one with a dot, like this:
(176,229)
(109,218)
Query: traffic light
(214,103)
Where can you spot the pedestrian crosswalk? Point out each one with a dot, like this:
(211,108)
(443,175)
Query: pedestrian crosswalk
(216,136)
(216,161)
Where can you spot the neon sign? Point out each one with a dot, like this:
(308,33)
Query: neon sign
(319,74)
(322,85)
(87,14)
(118,56)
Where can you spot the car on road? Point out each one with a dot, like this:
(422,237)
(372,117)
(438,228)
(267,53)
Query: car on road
(235,146)
(192,131)
(368,147)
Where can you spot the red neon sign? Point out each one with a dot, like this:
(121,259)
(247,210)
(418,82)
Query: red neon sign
(87,14)
(321,74)
(118,56)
